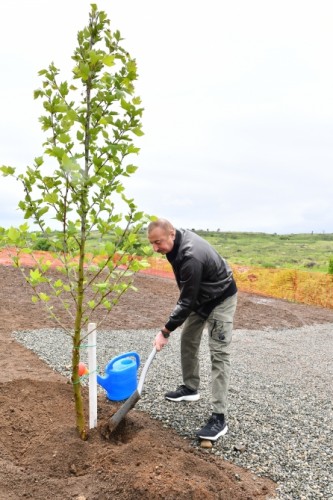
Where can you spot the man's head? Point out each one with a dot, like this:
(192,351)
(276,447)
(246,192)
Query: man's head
(161,235)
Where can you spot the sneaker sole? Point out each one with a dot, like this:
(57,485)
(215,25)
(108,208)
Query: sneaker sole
(194,397)
(214,438)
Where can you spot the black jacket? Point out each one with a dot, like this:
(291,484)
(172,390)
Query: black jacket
(203,277)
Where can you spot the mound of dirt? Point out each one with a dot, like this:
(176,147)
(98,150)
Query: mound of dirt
(41,456)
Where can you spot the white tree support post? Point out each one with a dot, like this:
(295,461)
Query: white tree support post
(92,375)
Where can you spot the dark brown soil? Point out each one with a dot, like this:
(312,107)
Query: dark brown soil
(41,455)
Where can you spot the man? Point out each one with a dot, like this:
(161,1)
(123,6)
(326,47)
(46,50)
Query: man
(208,297)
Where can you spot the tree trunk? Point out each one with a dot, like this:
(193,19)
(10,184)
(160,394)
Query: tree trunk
(79,407)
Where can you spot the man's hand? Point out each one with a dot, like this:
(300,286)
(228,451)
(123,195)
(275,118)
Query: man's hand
(160,341)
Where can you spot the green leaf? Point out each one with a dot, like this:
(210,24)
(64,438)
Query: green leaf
(135,265)
(94,56)
(51,198)
(42,211)
(125,105)
(147,250)
(69,164)
(35,276)
(108,60)
(38,93)
(132,149)
(26,250)
(106,304)
(101,286)
(24,227)
(79,135)
(132,238)
(72,114)
(7,171)
(22,205)
(63,89)
(44,297)
(103,121)
(55,151)
(144,264)
(84,71)
(64,138)
(117,36)
(60,108)
(110,248)
(39,161)
(13,234)
(137,131)
(138,216)
(130,169)
(45,266)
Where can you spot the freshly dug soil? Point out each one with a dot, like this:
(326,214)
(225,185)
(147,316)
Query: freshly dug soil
(41,455)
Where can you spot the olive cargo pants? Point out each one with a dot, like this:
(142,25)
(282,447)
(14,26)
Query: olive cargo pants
(220,325)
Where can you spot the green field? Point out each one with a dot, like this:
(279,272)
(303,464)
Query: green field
(310,252)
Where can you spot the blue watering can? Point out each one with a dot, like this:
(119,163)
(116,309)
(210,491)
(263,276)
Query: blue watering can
(120,379)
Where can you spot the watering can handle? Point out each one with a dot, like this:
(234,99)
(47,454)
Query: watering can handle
(126,355)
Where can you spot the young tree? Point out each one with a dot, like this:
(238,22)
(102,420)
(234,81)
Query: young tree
(78,181)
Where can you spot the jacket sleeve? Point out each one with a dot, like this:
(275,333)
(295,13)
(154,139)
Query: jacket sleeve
(189,285)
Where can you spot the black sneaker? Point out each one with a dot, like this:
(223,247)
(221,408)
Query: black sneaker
(183,393)
(215,428)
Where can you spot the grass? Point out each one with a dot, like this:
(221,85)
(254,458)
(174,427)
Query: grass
(306,252)
(293,251)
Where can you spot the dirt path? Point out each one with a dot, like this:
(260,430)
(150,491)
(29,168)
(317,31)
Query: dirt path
(41,456)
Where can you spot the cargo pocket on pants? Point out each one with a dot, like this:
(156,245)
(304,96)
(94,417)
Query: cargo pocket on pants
(220,331)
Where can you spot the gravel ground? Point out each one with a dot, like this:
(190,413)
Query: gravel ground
(280,402)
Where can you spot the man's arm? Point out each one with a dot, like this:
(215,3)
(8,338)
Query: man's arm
(189,283)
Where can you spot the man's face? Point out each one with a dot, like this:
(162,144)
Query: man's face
(161,240)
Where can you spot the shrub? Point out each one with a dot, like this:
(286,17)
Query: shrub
(330,266)
(42,244)
(310,264)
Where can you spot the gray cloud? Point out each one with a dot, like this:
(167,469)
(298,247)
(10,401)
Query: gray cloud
(238,106)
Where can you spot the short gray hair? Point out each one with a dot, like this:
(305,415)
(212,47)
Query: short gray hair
(162,224)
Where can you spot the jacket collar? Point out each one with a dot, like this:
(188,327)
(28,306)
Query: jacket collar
(172,255)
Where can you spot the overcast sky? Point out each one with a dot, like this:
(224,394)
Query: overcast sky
(238,99)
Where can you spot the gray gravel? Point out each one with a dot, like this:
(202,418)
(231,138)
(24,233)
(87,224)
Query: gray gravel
(280,404)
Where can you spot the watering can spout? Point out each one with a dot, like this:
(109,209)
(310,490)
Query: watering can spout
(120,379)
